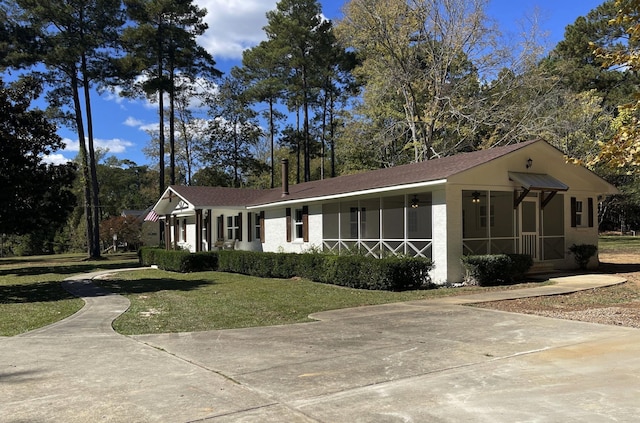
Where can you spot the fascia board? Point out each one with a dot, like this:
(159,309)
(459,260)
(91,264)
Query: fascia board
(349,194)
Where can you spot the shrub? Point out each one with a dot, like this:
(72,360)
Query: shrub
(496,269)
(582,254)
(354,271)
(178,261)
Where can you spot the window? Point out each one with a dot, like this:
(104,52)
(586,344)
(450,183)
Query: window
(298,224)
(232,227)
(298,228)
(183,232)
(353,222)
(483,216)
(257,228)
(581,218)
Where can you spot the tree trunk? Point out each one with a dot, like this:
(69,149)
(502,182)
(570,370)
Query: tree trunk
(95,190)
(172,113)
(272,136)
(307,142)
(85,165)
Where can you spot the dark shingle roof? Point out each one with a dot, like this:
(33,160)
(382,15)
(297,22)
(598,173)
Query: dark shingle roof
(217,196)
(431,170)
(427,171)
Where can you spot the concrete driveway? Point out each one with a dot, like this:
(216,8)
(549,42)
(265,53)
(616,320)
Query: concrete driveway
(427,361)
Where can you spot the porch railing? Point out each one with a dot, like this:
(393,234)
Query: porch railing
(380,248)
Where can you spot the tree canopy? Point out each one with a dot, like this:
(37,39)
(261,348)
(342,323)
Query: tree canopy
(34,194)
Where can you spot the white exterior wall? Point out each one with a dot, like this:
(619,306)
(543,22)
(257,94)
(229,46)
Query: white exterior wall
(582,234)
(275,231)
(315,227)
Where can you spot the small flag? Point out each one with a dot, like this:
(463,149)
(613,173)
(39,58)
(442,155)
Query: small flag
(152,216)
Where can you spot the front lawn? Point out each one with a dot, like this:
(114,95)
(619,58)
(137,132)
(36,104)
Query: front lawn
(172,302)
(619,244)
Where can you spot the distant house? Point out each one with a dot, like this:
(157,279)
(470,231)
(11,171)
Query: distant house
(149,228)
(522,198)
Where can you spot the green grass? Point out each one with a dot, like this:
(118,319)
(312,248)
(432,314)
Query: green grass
(30,292)
(31,295)
(169,302)
(619,244)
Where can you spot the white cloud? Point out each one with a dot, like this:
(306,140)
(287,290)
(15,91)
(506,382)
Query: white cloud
(140,125)
(234,25)
(114,145)
(132,122)
(55,159)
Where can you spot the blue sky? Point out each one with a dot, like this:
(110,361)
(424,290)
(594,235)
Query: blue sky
(235,25)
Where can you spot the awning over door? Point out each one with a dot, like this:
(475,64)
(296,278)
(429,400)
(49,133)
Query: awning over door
(536,182)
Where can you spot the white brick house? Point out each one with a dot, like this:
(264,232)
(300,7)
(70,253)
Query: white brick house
(522,198)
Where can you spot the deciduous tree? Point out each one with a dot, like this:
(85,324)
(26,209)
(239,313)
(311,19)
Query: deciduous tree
(34,195)
(623,150)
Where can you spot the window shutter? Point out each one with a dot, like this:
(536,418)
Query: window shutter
(305,223)
(590,211)
(221,226)
(262,226)
(239,232)
(288,223)
(249,227)
(209,225)
(573,212)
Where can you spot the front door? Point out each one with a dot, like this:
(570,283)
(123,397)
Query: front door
(529,218)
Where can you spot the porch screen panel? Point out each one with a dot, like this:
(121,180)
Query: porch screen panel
(502,215)
(553,229)
(349,220)
(476,216)
(419,218)
(330,218)
(370,219)
(393,217)
(553,217)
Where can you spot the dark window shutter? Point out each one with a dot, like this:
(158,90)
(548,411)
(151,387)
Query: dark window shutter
(590,211)
(221,226)
(262,226)
(305,223)
(288,224)
(249,227)
(573,212)
(239,232)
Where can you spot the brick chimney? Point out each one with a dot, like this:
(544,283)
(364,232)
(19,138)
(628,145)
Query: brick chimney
(285,177)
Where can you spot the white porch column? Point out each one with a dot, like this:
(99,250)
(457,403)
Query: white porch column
(440,242)
(446,213)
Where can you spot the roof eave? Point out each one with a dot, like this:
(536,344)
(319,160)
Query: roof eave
(380,190)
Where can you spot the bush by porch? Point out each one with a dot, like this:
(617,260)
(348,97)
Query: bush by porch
(353,271)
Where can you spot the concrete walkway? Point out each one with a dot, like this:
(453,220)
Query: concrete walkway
(421,361)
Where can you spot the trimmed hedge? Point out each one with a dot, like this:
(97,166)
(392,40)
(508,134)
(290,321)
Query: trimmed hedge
(178,261)
(391,274)
(496,269)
